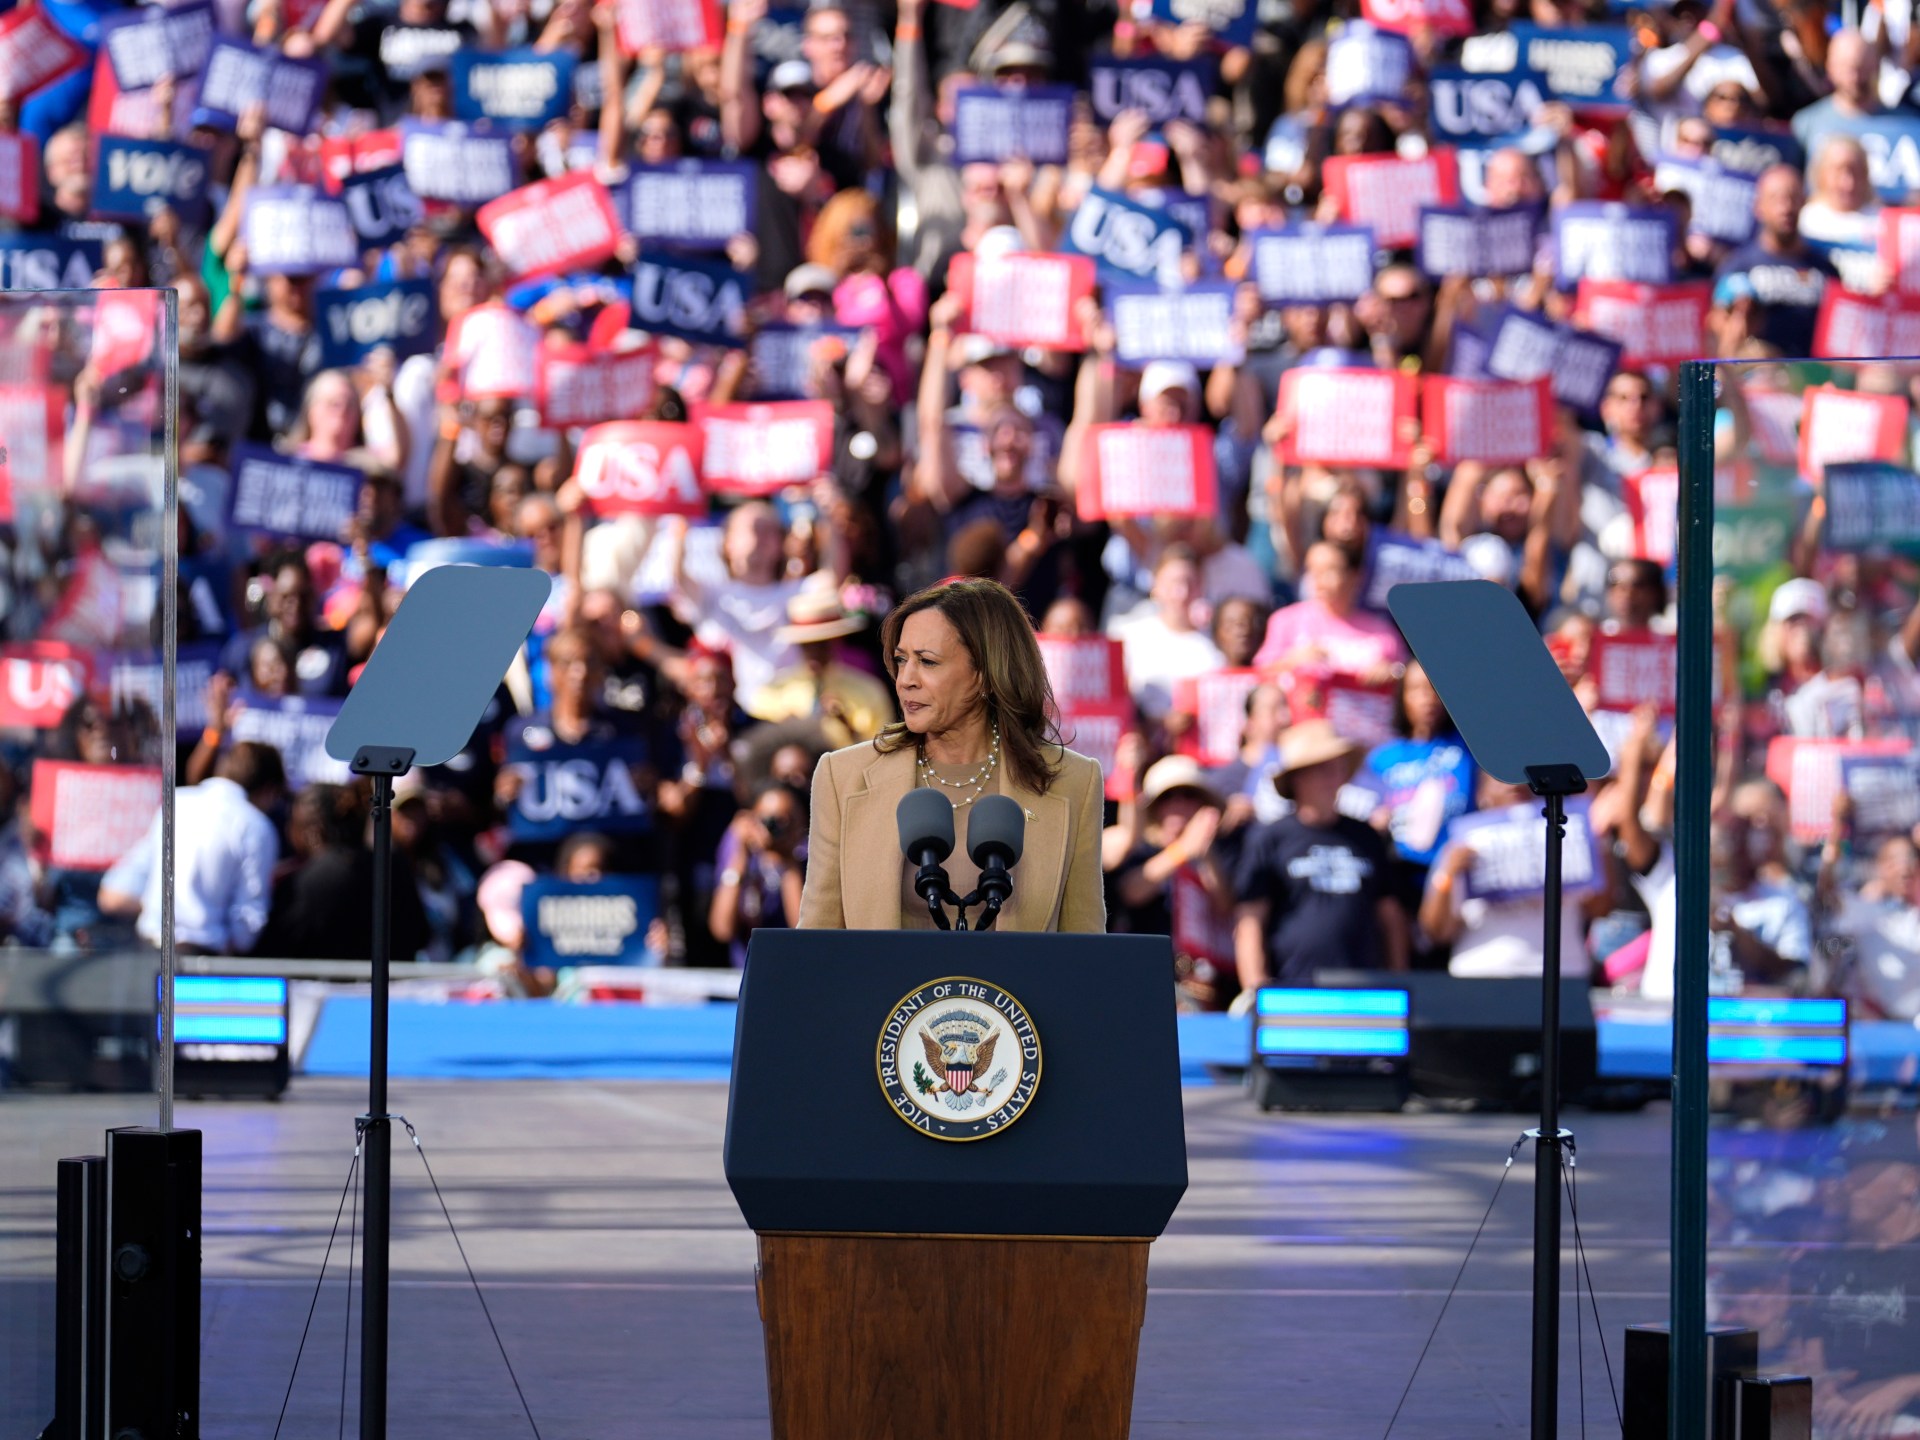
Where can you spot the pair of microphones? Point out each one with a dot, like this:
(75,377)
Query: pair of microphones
(996,834)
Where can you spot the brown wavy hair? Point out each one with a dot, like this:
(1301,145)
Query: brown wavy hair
(998,636)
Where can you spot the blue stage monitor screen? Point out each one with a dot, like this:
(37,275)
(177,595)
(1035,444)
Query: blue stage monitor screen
(229,1010)
(1776,1034)
(1330,1024)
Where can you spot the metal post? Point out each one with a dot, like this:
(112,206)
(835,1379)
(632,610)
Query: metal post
(376,1134)
(169,655)
(1546,1149)
(1687,1387)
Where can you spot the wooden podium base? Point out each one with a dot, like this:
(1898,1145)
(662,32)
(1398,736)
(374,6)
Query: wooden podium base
(995,1337)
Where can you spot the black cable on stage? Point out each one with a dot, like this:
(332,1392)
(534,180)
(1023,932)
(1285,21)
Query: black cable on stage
(1580,1254)
(1505,1170)
(420,1150)
(345,1190)
(346,1331)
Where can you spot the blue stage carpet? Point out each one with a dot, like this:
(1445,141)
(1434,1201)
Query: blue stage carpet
(536,1039)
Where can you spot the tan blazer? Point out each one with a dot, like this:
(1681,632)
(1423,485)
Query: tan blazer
(1056,886)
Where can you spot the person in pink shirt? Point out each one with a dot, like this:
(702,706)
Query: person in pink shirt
(1328,630)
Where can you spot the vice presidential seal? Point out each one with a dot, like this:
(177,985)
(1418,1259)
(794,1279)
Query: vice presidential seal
(959,1059)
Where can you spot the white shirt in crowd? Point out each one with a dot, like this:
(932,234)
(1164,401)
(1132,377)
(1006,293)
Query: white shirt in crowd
(1158,655)
(743,618)
(224,851)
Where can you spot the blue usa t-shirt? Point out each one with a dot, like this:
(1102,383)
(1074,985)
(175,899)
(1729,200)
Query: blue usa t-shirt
(1424,784)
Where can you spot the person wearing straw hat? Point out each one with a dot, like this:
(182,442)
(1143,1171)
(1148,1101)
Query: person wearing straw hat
(1313,885)
(849,704)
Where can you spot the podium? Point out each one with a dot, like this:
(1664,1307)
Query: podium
(956,1149)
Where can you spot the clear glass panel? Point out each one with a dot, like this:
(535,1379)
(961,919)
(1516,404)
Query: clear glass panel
(1813,950)
(87,532)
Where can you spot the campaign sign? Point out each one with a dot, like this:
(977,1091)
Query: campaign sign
(1885,791)
(1602,240)
(1838,426)
(552,226)
(991,125)
(1218,703)
(1396,559)
(142,676)
(1366,64)
(523,89)
(35,52)
(576,385)
(1468,241)
(1471,109)
(446,162)
(1808,770)
(761,449)
(401,316)
(1084,669)
(588,922)
(343,156)
(490,352)
(133,179)
(1494,421)
(1635,668)
(1776,423)
(1524,346)
(238,76)
(1312,264)
(39,681)
(697,203)
(1385,192)
(1577,66)
(1510,852)
(158,43)
(277,494)
(641,467)
(1142,470)
(783,357)
(1892,142)
(1413,17)
(564,788)
(667,25)
(1095,731)
(698,300)
(1193,324)
(1024,298)
(381,206)
(1722,198)
(1347,417)
(1900,247)
(1851,325)
(1872,507)
(1653,324)
(297,230)
(19,178)
(1653,504)
(1126,239)
(1163,89)
(1231,21)
(91,815)
(297,727)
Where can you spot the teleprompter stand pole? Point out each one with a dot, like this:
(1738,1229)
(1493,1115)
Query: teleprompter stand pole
(375,1127)
(1553,783)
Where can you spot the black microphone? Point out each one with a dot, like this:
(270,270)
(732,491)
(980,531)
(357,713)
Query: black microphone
(925,818)
(995,836)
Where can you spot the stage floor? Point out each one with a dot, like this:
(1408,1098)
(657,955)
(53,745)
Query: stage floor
(1289,1298)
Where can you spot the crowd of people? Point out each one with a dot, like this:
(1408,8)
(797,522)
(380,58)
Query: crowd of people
(1202,511)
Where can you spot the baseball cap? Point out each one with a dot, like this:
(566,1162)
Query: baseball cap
(1799,596)
(1164,375)
(791,75)
(810,279)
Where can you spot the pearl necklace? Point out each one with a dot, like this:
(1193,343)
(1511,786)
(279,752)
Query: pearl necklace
(976,783)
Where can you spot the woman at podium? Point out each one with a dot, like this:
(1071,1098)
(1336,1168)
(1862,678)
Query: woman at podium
(978,720)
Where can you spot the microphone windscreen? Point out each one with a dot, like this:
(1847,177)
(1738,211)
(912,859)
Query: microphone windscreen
(926,819)
(997,823)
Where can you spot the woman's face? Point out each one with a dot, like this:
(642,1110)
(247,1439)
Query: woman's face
(1237,632)
(1330,578)
(573,668)
(779,811)
(1843,179)
(1424,709)
(461,287)
(1010,448)
(585,865)
(659,139)
(1346,519)
(267,669)
(94,735)
(939,688)
(333,415)
(1068,618)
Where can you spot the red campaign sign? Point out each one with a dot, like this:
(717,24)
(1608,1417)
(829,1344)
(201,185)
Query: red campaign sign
(1635,668)
(1840,426)
(1200,932)
(34,52)
(1653,324)
(1084,669)
(1653,500)
(1218,703)
(575,385)
(1776,424)
(1900,247)
(552,225)
(1410,17)
(491,354)
(89,610)
(1854,326)
(1809,771)
(20,178)
(641,467)
(1498,422)
(39,681)
(1348,417)
(1095,731)
(355,155)
(1138,470)
(124,322)
(761,449)
(1359,711)
(32,430)
(1386,192)
(667,25)
(1024,299)
(91,815)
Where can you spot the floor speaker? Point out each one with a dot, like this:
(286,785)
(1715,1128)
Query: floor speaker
(1773,1407)
(153,1284)
(80,1292)
(1733,1355)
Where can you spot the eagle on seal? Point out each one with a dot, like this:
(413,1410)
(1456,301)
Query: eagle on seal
(959,1061)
